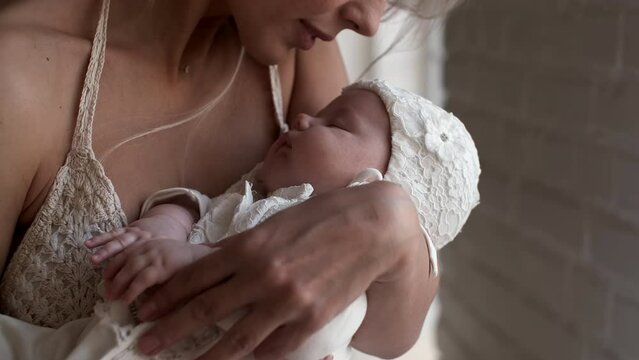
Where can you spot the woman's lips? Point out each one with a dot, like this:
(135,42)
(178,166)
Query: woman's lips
(305,40)
(308,34)
(315,32)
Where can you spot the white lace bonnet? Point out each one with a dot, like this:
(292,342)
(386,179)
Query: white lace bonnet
(433,158)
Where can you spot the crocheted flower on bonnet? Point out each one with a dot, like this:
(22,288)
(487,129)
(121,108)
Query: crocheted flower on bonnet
(433,158)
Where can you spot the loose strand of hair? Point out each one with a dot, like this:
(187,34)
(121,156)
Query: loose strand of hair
(186,117)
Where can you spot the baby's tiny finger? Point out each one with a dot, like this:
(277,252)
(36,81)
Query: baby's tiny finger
(114,246)
(123,279)
(114,266)
(103,238)
(142,281)
(99,256)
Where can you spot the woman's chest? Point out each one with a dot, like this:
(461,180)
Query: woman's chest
(206,144)
(202,129)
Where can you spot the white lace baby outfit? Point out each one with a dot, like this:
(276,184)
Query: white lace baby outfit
(433,158)
(237,210)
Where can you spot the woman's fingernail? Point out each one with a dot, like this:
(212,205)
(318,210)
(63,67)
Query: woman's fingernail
(148,345)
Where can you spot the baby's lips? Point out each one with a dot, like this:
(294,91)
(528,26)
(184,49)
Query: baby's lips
(284,139)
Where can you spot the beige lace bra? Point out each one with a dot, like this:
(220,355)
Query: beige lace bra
(49,281)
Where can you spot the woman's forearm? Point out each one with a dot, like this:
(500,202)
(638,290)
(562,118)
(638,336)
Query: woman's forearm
(397,308)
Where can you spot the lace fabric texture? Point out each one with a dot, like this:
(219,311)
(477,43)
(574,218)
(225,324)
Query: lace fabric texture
(233,213)
(118,326)
(433,157)
(49,280)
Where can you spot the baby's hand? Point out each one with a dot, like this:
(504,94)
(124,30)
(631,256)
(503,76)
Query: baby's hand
(165,221)
(147,263)
(112,243)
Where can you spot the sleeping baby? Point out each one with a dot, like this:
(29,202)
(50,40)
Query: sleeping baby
(372,132)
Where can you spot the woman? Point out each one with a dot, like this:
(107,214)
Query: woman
(62,179)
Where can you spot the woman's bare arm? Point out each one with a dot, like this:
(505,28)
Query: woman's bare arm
(17,168)
(12,188)
(398,303)
(29,129)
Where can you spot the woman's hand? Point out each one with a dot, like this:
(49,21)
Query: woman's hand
(293,273)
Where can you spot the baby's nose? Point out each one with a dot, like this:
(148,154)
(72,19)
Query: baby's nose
(302,122)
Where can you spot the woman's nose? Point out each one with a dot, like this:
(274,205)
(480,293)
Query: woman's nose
(363,16)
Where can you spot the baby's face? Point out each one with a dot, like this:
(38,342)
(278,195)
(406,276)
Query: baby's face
(327,150)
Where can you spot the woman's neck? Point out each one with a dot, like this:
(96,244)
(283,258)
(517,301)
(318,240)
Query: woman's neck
(176,33)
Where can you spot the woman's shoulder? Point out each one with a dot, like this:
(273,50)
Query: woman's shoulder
(40,84)
(32,106)
(35,53)
(34,62)
(42,64)
(22,89)
(38,44)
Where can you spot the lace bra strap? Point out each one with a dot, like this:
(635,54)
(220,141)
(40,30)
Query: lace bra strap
(84,124)
(276,92)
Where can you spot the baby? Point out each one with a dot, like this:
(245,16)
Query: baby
(372,128)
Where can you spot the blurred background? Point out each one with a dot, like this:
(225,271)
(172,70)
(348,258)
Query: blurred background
(547,268)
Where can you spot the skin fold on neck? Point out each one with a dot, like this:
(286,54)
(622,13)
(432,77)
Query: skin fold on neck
(177,33)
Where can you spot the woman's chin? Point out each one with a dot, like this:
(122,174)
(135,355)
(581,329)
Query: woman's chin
(266,52)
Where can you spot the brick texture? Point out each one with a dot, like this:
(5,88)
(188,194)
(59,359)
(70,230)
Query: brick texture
(548,265)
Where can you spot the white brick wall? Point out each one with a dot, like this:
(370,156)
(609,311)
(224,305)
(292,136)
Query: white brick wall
(548,266)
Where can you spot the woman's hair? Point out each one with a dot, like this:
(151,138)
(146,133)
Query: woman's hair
(422,9)
(418,17)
